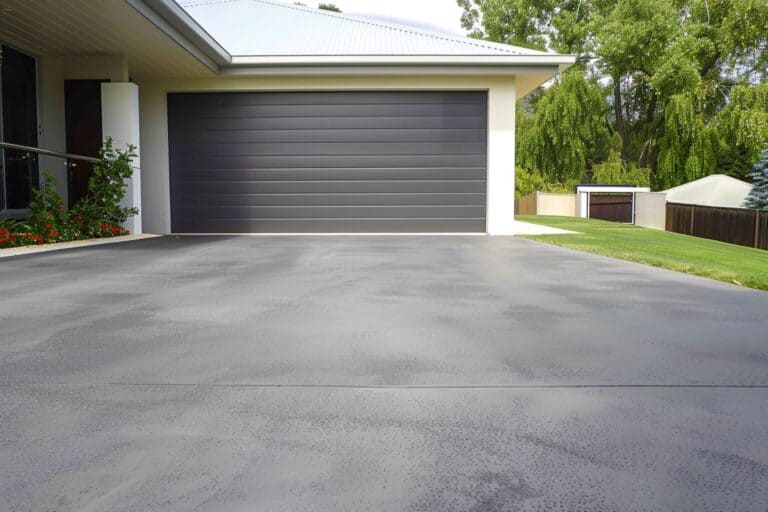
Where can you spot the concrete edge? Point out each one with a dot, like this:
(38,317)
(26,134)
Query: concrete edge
(523,228)
(37,249)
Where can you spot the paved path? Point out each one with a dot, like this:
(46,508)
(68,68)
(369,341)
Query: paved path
(528,228)
(376,373)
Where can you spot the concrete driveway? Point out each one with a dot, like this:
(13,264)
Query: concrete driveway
(376,373)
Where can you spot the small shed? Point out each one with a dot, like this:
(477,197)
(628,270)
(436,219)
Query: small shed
(608,202)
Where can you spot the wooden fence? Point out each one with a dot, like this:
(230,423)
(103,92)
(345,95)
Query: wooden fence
(526,205)
(546,203)
(611,207)
(733,225)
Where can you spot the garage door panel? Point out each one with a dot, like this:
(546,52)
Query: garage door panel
(333,212)
(329,187)
(330,98)
(332,161)
(329,225)
(190,161)
(336,173)
(334,148)
(323,123)
(331,135)
(356,199)
(235,112)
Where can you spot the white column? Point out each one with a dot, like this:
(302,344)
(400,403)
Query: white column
(120,121)
(501,160)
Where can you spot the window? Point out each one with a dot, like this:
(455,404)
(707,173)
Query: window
(18,125)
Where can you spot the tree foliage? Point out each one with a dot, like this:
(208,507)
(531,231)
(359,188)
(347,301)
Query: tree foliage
(328,7)
(743,128)
(615,172)
(528,182)
(682,82)
(758,197)
(569,131)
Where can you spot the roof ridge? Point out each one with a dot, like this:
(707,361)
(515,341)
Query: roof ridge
(445,37)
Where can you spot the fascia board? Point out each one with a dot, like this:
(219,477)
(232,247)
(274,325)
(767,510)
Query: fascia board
(405,60)
(175,23)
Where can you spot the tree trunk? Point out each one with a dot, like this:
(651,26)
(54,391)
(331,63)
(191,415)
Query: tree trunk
(645,154)
(618,111)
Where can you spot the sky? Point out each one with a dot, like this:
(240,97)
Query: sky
(434,15)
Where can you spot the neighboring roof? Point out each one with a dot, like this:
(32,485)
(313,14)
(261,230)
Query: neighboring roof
(271,28)
(713,190)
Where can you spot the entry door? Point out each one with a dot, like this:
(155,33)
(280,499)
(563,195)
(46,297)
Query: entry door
(328,162)
(83,123)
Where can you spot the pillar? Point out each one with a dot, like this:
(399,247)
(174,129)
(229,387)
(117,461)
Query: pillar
(120,121)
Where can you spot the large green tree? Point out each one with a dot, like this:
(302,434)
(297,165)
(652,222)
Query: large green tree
(679,76)
(569,132)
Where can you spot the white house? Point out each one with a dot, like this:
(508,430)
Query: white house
(261,116)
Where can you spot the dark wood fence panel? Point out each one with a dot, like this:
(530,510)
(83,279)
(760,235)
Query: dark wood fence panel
(733,225)
(613,207)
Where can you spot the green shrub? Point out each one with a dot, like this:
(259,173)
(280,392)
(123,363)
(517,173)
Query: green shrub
(47,216)
(528,182)
(616,172)
(98,215)
(107,187)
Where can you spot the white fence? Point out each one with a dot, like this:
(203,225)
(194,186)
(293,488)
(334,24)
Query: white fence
(651,210)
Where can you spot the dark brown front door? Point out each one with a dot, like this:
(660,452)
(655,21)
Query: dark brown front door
(613,207)
(83,119)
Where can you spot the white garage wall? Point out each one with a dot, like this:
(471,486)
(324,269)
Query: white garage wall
(501,130)
(651,210)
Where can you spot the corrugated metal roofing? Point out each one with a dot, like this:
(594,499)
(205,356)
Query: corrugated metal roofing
(270,28)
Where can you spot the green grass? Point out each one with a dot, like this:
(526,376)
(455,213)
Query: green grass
(707,258)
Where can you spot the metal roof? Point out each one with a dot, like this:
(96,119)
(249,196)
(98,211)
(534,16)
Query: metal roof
(267,28)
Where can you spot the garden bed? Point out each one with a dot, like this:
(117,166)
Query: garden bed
(35,249)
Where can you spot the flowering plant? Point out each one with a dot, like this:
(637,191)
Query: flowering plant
(98,215)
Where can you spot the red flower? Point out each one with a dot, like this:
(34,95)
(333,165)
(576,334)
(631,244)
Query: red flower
(48,226)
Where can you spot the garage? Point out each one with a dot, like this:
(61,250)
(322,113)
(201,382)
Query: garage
(328,162)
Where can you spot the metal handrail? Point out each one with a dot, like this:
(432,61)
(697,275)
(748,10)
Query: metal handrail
(47,152)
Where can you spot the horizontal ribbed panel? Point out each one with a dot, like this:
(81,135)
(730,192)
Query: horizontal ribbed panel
(360,161)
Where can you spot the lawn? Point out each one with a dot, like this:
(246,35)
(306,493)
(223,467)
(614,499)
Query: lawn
(708,258)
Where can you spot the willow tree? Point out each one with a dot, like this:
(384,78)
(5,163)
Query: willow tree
(568,133)
(670,67)
(743,129)
(688,148)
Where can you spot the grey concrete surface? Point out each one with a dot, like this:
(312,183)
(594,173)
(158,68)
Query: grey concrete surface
(376,373)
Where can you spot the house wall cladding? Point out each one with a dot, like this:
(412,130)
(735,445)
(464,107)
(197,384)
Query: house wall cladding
(328,161)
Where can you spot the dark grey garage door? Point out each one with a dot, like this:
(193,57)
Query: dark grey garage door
(328,162)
